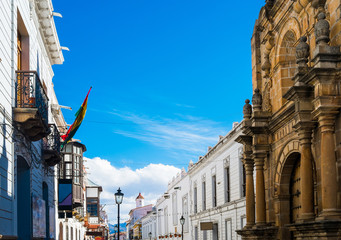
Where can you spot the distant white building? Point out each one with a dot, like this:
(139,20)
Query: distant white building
(173,204)
(135,215)
(210,197)
(148,223)
(217,191)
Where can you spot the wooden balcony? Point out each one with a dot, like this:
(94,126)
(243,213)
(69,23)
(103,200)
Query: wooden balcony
(51,147)
(31,106)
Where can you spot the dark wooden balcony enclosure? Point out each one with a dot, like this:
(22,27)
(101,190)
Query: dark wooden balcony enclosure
(51,146)
(31,105)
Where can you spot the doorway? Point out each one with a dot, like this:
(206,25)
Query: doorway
(24,199)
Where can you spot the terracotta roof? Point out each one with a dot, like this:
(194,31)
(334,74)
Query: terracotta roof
(140,196)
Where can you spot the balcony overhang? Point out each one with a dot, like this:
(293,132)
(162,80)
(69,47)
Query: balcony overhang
(31,123)
(51,157)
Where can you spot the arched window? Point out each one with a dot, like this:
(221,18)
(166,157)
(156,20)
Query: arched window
(286,69)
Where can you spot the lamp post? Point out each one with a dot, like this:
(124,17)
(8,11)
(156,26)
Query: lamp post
(182,222)
(115,231)
(118,199)
(150,235)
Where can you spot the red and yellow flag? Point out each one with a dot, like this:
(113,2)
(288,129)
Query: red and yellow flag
(78,121)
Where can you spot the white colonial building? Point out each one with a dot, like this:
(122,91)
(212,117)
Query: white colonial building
(210,197)
(30,119)
(173,204)
(217,190)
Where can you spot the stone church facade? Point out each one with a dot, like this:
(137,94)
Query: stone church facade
(292,131)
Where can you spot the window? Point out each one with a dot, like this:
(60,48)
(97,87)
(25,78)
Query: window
(185,212)
(214,191)
(195,200)
(204,235)
(228,230)
(243,182)
(19,52)
(196,233)
(166,220)
(227,185)
(243,221)
(92,207)
(203,195)
(215,231)
(175,208)
(159,221)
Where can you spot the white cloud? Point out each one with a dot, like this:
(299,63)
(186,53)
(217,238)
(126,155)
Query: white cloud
(150,180)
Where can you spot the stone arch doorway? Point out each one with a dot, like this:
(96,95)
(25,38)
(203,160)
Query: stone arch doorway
(295,188)
(288,198)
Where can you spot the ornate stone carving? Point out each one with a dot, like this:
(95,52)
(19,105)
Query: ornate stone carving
(322,29)
(302,53)
(266,65)
(267,101)
(257,100)
(269,4)
(318,4)
(247,109)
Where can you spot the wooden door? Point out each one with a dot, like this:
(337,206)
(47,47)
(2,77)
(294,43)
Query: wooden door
(295,191)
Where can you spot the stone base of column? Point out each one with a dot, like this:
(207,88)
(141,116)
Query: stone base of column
(329,214)
(306,217)
(316,230)
(264,232)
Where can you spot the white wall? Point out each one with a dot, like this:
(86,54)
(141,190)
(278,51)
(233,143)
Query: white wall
(170,207)
(227,153)
(8,149)
(229,216)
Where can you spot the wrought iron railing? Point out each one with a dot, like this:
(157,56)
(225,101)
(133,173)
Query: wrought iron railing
(52,141)
(30,93)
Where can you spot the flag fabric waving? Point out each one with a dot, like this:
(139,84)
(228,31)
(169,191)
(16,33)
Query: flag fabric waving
(78,121)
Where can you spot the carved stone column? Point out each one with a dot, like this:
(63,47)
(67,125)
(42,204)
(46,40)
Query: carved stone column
(327,104)
(250,194)
(260,188)
(306,172)
(328,165)
(249,165)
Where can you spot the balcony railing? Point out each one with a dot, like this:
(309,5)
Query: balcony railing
(51,146)
(31,94)
(52,141)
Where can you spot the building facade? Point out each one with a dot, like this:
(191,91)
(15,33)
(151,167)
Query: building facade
(291,133)
(210,197)
(71,193)
(29,119)
(173,204)
(217,190)
(134,227)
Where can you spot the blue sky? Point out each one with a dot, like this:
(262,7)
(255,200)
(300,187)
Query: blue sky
(168,76)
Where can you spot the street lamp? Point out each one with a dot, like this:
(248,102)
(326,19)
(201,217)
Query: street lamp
(118,199)
(150,235)
(115,230)
(182,222)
